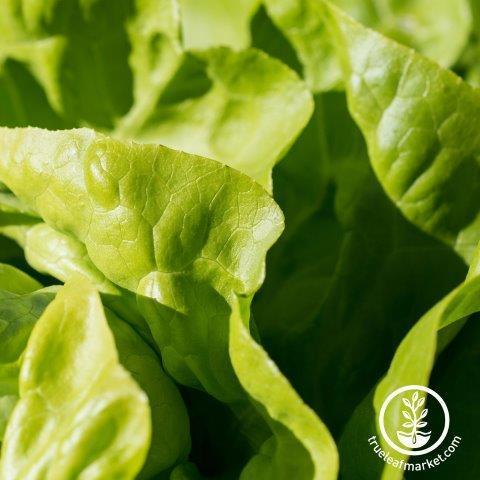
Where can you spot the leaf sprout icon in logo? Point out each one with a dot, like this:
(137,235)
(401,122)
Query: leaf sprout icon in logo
(407,418)
(415,416)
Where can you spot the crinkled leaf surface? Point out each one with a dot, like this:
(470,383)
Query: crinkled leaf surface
(224,220)
(75,398)
(252,110)
(19,313)
(242,108)
(187,235)
(62,256)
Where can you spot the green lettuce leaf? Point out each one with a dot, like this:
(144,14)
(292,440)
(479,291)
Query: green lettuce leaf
(75,398)
(344,285)
(440,33)
(412,364)
(15,281)
(208,23)
(282,455)
(59,255)
(419,122)
(468,65)
(62,256)
(136,253)
(456,377)
(380,215)
(187,235)
(170,436)
(19,312)
(303,24)
(242,108)
(251,112)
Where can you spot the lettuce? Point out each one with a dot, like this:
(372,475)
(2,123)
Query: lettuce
(229,230)
(84,402)
(193,286)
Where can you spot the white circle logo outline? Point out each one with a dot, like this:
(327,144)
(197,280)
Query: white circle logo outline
(406,388)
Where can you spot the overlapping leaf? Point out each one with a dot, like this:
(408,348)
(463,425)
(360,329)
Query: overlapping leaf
(242,108)
(131,220)
(413,22)
(419,122)
(345,285)
(188,236)
(84,404)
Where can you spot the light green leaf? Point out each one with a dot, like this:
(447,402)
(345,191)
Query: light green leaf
(411,365)
(170,431)
(63,257)
(301,445)
(249,114)
(154,38)
(75,398)
(303,24)
(15,281)
(246,111)
(18,314)
(209,23)
(170,442)
(345,285)
(224,220)
(440,33)
(419,122)
(187,235)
